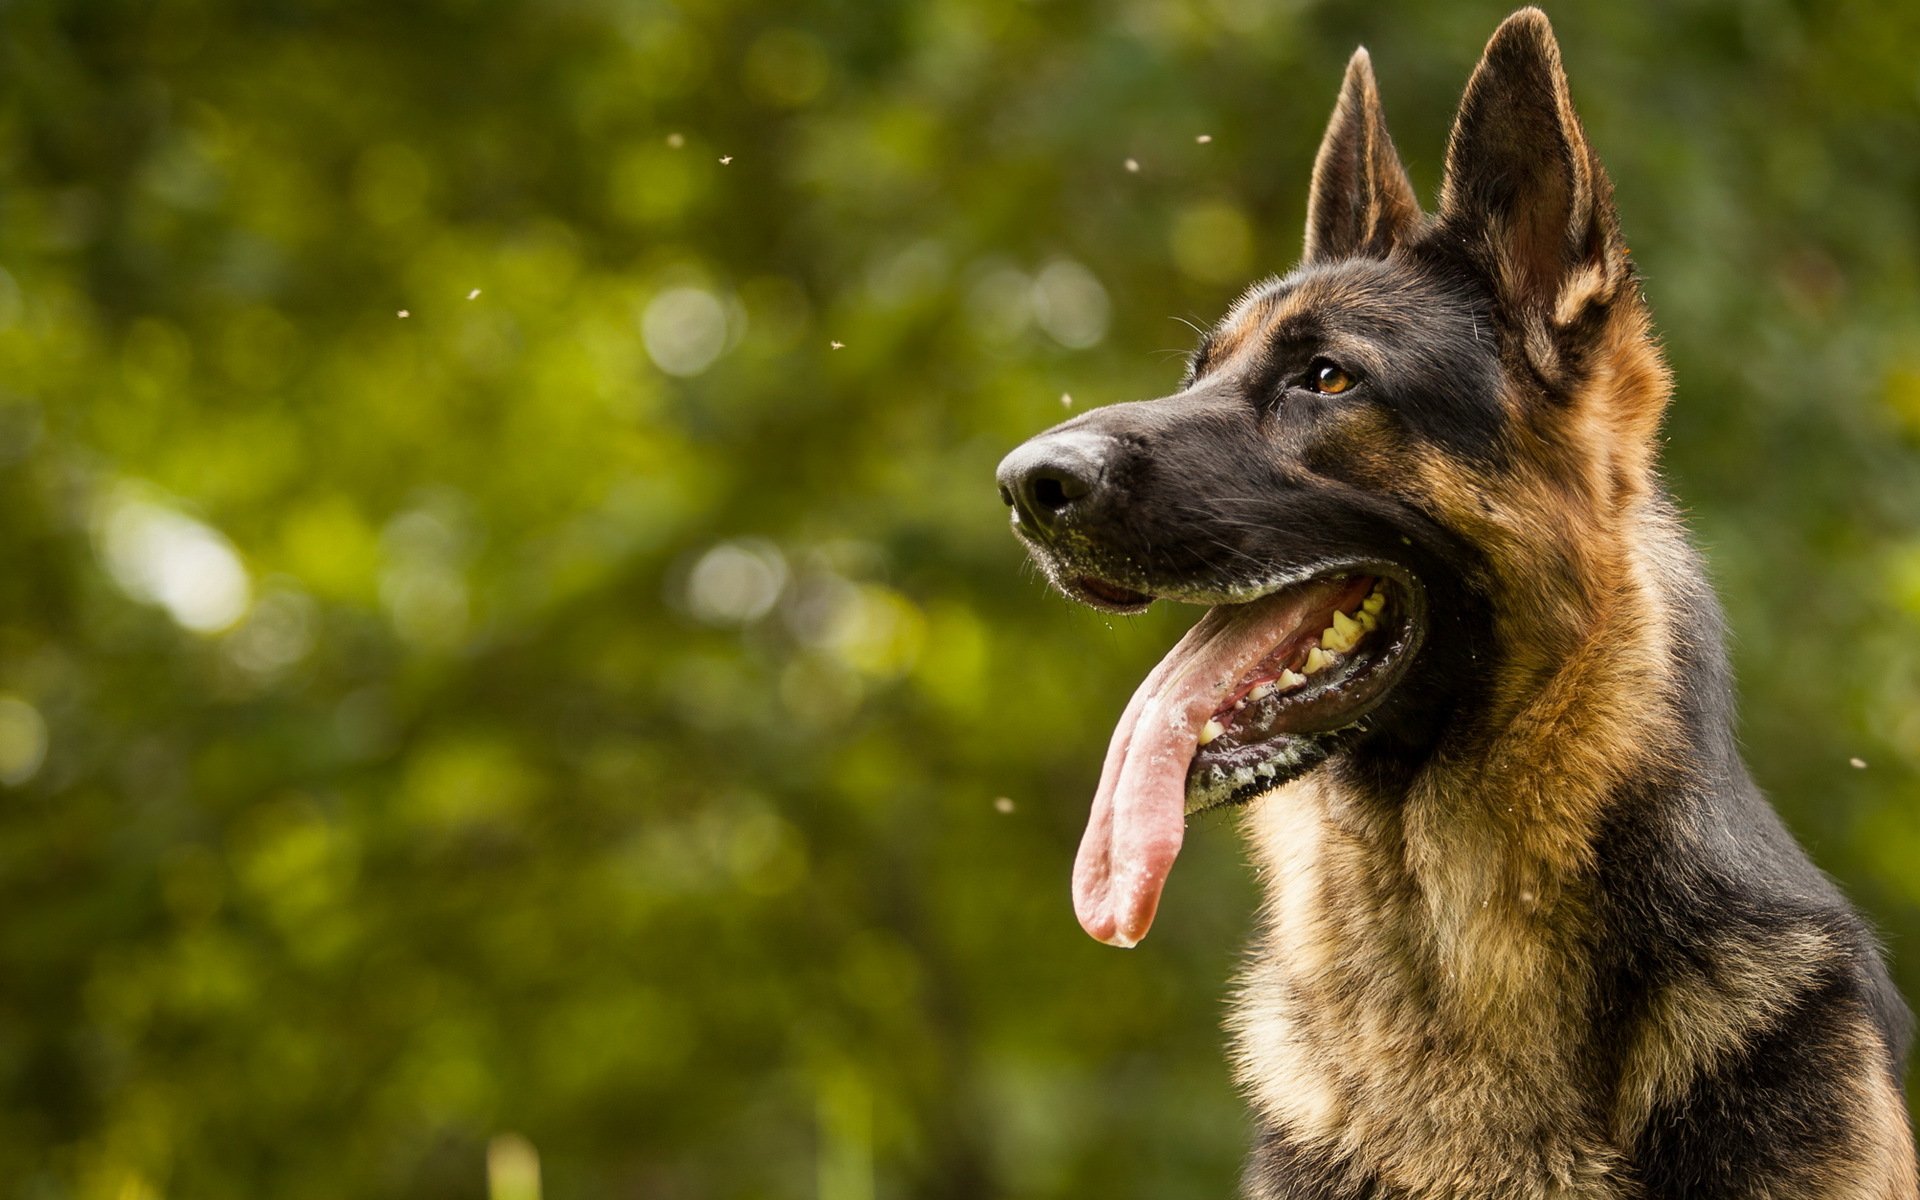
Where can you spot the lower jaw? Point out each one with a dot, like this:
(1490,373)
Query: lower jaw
(1238,774)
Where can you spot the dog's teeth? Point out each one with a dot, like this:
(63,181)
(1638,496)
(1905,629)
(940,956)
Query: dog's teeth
(1316,659)
(1374,603)
(1290,680)
(1211,730)
(1260,693)
(1342,634)
(1368,621)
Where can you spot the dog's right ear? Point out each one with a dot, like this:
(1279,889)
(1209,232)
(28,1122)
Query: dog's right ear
(1362,201)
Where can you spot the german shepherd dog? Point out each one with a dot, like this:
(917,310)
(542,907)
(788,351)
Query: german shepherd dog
(1530,929)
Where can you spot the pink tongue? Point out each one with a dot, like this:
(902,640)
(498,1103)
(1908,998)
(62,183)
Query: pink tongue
(1139,812)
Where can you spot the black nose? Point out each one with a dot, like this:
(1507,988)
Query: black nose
(1052,475)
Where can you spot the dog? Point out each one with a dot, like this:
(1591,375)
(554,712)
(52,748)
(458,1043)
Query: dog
(1530,930)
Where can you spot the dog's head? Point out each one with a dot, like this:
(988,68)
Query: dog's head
(1418,438)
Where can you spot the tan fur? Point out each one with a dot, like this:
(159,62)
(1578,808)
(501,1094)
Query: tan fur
(1883,1166)
(1364,1035)
(1422,1001)
(1700,1020)
(1242,327)
(1427,983)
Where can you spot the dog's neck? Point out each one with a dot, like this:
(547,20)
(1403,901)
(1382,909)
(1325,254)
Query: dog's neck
(1452,914)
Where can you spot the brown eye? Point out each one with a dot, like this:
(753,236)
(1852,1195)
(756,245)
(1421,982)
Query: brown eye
(1328,378)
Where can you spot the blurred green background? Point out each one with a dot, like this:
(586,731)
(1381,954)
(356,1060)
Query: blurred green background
(483,678)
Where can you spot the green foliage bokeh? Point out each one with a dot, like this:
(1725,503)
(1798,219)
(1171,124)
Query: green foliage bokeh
(506,625)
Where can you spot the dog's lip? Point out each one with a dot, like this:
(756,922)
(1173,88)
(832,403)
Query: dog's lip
(1103,592)
(1107,596)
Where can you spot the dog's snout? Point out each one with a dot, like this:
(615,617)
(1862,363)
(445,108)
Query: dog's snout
(1052,475)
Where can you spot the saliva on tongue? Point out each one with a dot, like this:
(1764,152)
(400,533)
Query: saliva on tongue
(1139,810)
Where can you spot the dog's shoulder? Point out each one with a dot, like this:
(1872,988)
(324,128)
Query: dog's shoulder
(1745,1017)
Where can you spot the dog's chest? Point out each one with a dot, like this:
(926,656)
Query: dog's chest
(1380,1023)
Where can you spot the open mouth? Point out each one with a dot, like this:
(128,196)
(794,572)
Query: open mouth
(1254,695)
(1320,677)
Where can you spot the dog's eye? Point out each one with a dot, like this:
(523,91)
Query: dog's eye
(1328,378)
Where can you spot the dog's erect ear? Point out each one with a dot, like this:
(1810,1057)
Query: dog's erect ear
(1522,184)
(1361,201)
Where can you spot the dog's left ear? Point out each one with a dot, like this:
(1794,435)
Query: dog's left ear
(1361,202)
(1522,185)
